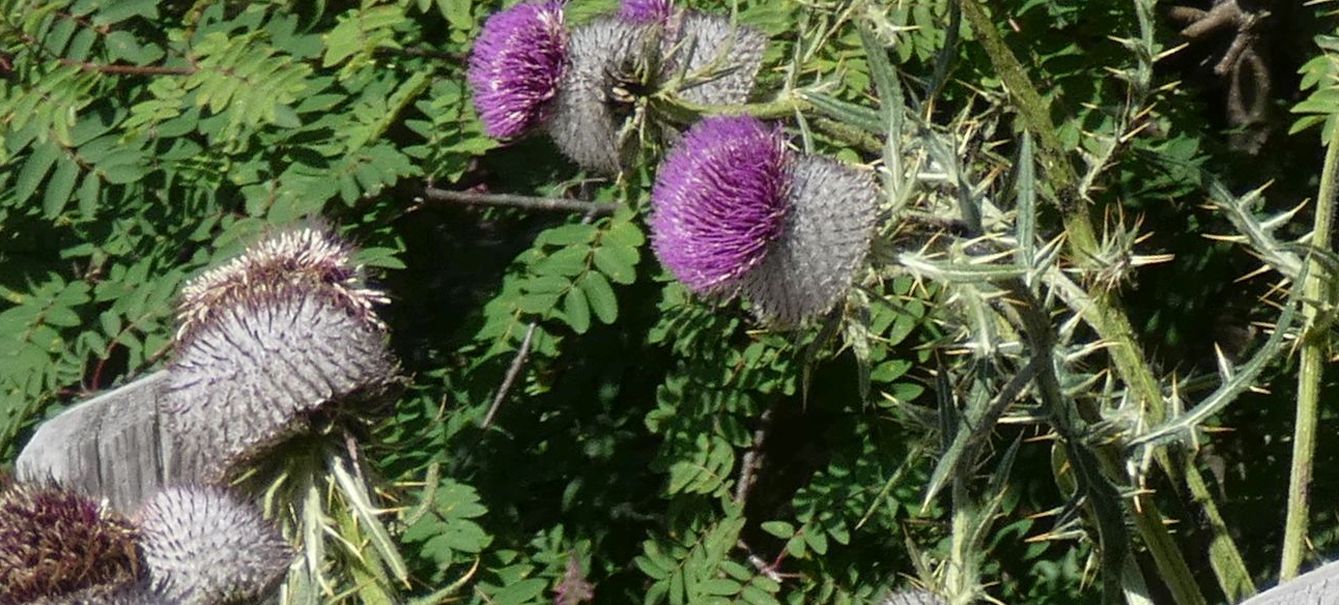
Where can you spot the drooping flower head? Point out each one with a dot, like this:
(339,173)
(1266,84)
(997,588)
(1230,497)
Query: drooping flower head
(735,212)
(290,332)
(56,543)
(720,199)
(204,546)
(516,64)
(645,11)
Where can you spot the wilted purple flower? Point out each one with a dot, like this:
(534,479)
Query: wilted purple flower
(57,543)
(734,211)
(719,199)
(516,64)
(202,545)
(645,11)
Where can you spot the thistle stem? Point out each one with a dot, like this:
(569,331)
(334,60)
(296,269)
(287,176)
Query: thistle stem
(785,106)
(1310,374)
(1112,325)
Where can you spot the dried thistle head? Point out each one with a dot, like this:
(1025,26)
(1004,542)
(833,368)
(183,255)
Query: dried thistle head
(289,332)
(735,211)
(516,65)
(56,543)
(309,256)
(204,546)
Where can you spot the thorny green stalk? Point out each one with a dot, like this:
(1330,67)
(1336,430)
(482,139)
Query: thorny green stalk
(1309,375)
(1113,326)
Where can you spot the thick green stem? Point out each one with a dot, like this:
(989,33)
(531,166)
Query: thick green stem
(782,107)
(1310,373)
(1111,323)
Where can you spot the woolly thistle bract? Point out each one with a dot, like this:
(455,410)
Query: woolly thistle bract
(60,546)
(294,333)
(586,119)
(720,58)
(516,64)
(203,546)
(735,211)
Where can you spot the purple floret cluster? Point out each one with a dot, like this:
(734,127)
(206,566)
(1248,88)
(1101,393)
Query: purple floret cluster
(720,199)
(645,11)
(516,65)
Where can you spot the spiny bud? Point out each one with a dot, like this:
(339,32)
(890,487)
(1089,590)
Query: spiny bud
(294,334)
(734,211)
(725,57)
(587,118)
(57,544)
(203,546)
(515,66)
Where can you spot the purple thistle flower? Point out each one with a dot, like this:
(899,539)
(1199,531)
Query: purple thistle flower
(516,64)
(734,212)
(719,199)
(826,236)
(645,11)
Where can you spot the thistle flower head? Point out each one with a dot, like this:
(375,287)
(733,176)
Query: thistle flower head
(293,335)
(720,199)
(826,235)
(734,211)
(645,11)
(203,546)
(516,64)
(587,116)
(56,543)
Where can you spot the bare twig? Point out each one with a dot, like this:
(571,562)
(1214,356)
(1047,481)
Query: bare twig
(761,565)
(752,460)
(517,363)
(519,201)
(130,70)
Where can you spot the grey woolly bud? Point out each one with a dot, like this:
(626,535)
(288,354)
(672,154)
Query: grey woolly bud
(912,597)
(203,546)
(825,239)
(733,53)
(254,376)
(586,120)
(268,339)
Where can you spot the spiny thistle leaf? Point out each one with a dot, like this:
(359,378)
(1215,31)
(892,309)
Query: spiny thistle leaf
(585,124)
